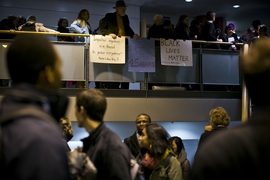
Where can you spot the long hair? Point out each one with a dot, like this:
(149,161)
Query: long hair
(180,21)
(178,141)
(83,22)
(61,20)
(158,138)
(66,127)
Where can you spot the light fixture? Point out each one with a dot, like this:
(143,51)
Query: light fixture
(188,0)
(236,6)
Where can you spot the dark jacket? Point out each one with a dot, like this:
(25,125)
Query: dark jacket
(108,153)
(225,38)
(133,144)
(64,38)
(207,134)
(208,32)
(108,25)
(7,24)
(185,164)
(33,147)
(182,32)
(158,32)
(239,153)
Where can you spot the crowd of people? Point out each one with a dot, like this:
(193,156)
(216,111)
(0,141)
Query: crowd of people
(40,150)
(118,24)
(34,131)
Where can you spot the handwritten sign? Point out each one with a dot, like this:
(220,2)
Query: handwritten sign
(141,55)
(176,52)
(105,49)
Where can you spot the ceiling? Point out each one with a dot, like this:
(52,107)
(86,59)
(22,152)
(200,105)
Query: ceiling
(242,17)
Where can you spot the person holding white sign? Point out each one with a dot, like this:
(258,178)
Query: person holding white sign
(117,24)
(230,36)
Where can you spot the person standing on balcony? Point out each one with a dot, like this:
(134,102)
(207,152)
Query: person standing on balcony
(117,24)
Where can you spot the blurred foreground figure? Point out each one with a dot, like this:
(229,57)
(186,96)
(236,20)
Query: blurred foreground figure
(31,141)
(243,152)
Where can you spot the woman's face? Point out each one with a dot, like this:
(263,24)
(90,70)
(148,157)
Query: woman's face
(64,23)
(85,16)
(230,31)
(185,21)
(174,146)
(144,141)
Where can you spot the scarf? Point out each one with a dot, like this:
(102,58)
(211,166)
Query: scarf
(150,162)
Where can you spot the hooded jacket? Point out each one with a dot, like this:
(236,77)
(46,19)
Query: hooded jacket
(33,146)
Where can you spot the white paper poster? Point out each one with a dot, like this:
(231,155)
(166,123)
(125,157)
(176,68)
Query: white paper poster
(176,52)
(105,49)
(141,55)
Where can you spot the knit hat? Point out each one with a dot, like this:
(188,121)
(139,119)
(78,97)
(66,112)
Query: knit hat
(120,3)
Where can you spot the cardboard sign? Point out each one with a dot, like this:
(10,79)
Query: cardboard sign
(176,52)
(105,49)
(141,55)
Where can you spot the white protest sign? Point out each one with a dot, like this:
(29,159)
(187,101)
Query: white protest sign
(105,49)
(141,55)
(231,39)
(176,52)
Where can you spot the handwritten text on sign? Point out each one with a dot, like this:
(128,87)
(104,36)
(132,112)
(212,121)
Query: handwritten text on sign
(141,55)
(176,52)
(105,49)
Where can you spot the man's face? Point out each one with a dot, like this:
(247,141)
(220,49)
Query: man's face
(56,74)
(121,11)
(141,121)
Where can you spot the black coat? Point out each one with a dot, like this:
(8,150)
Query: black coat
(108,25)
(108,153)
(208,32)
(133,144)
(239,153)
(158,32)
(33,146)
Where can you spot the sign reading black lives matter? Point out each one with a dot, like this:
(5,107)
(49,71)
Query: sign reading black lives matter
(176,52)
(105,49)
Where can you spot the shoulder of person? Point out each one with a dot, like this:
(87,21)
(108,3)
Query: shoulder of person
(127,140)
(76,21)
(110,14)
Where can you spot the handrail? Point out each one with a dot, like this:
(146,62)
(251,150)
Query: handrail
(43,33)
(86,35)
